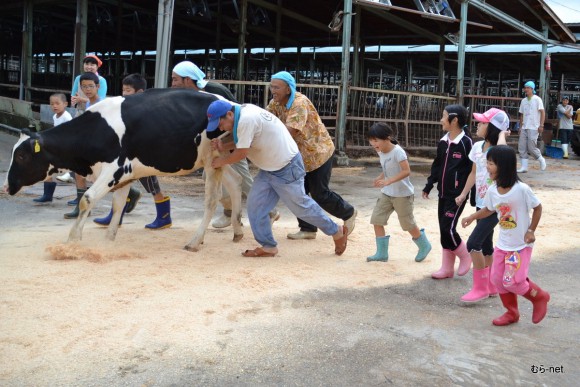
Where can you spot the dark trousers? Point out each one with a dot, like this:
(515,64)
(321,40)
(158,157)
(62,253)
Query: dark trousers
(449,213)
(316,185)
(481,238)
(151,184)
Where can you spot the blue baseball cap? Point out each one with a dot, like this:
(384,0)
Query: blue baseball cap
(215,111)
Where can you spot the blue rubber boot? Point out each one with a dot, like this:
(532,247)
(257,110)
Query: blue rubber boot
(46,197)
(382,254)
(423,245)
(107,219)
(75,213)
(163,219)
(132,199)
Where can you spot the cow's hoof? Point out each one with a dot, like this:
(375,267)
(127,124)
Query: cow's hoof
(238,237)
(193,249)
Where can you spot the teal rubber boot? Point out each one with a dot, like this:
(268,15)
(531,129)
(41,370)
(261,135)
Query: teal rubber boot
(382,254)
(46,197)
(163,219)
(424,246)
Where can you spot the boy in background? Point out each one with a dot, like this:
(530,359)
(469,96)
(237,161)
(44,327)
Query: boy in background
(89,84)
(58,104)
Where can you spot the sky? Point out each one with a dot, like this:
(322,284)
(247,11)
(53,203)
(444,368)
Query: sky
(567,10)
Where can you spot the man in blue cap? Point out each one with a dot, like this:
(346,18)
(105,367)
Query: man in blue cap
(532,116)
(187,75)
(263,139)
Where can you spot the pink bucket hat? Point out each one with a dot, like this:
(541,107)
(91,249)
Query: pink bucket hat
(497,117)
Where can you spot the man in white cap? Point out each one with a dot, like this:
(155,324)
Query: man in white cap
(532,116)
(264,139)
(187,75)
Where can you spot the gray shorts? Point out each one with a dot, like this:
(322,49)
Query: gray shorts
(403,206)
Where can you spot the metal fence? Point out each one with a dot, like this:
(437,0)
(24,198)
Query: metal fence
(415,116)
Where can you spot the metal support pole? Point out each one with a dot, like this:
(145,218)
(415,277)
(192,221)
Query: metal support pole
(242,48)
(441,88)
(26,57)
(80,39)
(543,90)
(461,51)
(342,158)
(163,48)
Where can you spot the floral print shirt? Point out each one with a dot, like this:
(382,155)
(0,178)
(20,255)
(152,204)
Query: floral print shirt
(313,140)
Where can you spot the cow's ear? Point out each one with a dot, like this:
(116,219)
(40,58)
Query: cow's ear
(27,132)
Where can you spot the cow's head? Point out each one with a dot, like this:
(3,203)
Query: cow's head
(29,163)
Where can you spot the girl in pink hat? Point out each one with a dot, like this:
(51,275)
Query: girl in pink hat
(492,126)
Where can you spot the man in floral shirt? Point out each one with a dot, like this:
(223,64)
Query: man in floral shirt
(299,115)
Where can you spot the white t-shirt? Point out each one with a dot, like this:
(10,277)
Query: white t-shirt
(482,180)
(270,145)
(391,167)
(513,211)
(530,108)
(64,117)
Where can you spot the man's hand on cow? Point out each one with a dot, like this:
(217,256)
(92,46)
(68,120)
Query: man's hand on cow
(216,144)
(218,162)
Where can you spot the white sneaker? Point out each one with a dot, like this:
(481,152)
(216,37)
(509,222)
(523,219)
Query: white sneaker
(66,178)
(542,163)
(350,223)
(222,222)
(274,216)
(524,167)
(302,235)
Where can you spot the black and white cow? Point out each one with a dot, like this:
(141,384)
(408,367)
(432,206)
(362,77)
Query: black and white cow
(121,139)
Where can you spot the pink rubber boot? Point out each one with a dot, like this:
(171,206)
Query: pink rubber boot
(479,291)
(464,259)
(491,289)
(447,265)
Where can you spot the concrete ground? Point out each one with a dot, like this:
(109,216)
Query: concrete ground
(411,333)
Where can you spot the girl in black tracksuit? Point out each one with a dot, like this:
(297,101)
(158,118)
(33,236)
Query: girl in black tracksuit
(450,170)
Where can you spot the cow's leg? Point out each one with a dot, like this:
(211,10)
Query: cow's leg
(99,189)
(213,192)
(233,182)
(119,201)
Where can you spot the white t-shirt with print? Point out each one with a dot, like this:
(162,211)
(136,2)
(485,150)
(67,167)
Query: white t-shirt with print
(530,108)
(391,163)
(482,180)
(64,117)
(270,145)
(513,211)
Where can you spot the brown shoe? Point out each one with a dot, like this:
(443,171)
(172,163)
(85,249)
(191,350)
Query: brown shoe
(340,244)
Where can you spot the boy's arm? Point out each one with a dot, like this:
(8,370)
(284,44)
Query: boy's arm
(405,172)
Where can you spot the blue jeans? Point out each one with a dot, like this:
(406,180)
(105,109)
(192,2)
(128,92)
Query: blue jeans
(287,185)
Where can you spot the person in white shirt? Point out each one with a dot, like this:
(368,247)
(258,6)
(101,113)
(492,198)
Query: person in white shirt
(512,200)
(532,116)
(566,126)
(264,140)
(58,104)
